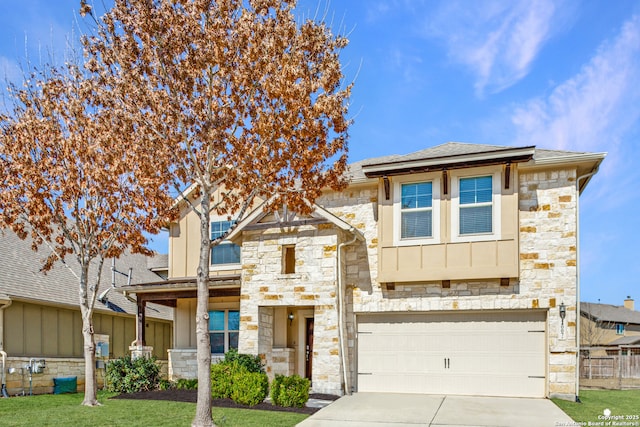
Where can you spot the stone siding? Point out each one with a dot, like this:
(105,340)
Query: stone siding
(18,382)
(547,278)
(313,284)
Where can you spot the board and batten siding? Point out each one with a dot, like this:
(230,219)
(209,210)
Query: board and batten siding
(47,331)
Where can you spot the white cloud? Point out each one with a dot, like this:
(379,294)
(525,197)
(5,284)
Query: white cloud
(596,110)
(498,41)
(596,106)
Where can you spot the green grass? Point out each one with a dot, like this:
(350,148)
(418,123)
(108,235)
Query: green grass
(65,410)
(620,402)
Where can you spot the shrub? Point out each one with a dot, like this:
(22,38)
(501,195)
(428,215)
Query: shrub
(239,377)
(165,384)
(222,374)
(290,391)
(249,361)
(125,375)
(187,384)
(249,388)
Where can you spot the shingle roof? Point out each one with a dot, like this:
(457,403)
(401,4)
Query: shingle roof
(609,313)
(447,150)
(21,278)
(630,340)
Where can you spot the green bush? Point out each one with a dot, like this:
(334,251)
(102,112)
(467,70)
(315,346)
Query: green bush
(125,375)
(165,384)
(222,374)
(290,391)
(187,384)
(249,388)
(249,361)
(239,377)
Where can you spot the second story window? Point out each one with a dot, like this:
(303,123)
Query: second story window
(476,205)
(416,210)
(619,329)
(225,252)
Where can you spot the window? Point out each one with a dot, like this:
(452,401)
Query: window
(416,210)
(224,326)
(289,259)
(476,205)
(225,252)
(619,329)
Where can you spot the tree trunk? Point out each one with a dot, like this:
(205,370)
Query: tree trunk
(90,384)
(203,406)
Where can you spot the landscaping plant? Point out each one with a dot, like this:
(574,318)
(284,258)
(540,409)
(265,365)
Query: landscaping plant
(292,391)
(126,375)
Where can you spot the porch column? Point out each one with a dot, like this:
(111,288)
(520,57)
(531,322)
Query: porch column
(140,349)
(140,322)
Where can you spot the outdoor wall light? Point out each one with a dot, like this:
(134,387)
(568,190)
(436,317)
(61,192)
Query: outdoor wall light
(290,317)
(563,313)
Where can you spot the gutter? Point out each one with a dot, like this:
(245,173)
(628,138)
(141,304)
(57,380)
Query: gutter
(356,236)
(578,316)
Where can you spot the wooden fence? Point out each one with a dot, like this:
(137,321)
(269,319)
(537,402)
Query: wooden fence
(616,366)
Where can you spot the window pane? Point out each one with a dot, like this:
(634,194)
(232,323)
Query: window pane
(216,320)
(218,228)
(474,220)
(476,190)
(416,224)
(233,340)
(416,195)
(217,342)
(225,253)
(234,320)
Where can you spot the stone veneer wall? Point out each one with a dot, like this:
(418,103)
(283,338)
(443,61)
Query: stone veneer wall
(548,248)
(548,265)
(548,245)
(55,368)
(312,285)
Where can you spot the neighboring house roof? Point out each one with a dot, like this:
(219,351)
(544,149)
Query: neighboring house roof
(609,313)
(631,340)
(21,278)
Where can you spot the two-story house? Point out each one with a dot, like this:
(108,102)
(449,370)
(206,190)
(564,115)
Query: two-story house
(449,270)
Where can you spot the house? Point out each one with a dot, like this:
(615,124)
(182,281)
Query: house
(40,317)
(616,328)
(449,270)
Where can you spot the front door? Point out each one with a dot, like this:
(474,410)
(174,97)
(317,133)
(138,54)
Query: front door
(308,355)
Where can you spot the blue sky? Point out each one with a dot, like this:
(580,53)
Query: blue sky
(558,74)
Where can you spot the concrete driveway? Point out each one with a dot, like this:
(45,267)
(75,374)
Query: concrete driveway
(394,410)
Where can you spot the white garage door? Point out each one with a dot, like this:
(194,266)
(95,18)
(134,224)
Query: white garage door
(490,354)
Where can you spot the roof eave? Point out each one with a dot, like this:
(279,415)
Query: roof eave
(592,160)
(485,158)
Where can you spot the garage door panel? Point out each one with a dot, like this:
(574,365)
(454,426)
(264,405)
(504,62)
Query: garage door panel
(497,354)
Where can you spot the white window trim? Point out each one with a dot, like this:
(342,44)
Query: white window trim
(219,267)
(496,213)
(397,211)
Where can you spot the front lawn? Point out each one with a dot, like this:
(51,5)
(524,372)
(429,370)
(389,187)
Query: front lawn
(624,403)
(65,410)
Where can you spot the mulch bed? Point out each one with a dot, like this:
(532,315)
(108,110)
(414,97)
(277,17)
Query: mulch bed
(191,396)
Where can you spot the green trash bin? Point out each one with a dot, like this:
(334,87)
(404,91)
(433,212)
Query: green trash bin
(65,385)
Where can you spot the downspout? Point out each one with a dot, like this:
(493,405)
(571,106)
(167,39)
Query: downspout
(578,315)
(356,236)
